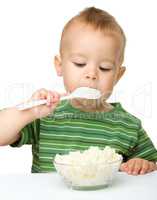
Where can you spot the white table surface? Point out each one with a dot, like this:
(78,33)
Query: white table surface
(50,186)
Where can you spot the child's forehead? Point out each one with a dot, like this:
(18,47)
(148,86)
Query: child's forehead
(74,29)
(79,32)
(81,28)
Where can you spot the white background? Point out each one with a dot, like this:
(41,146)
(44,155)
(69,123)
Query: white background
(29,38)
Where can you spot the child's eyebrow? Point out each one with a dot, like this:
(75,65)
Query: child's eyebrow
(106,60)
(77,55)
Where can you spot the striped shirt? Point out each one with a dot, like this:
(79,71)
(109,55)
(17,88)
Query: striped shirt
(69,129)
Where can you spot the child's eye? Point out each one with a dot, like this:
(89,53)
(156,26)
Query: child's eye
(79,64)
(104,69)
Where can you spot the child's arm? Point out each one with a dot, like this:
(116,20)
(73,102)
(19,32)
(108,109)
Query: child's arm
(143,156)
(13,120)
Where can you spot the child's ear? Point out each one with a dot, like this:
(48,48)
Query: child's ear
(58,65)
(121,71)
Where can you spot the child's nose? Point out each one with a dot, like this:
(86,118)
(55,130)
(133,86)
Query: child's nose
(91,75)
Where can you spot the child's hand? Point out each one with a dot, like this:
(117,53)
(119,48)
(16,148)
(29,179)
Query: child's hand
(137,166)
(52,101)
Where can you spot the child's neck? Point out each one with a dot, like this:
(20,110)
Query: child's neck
(91,105)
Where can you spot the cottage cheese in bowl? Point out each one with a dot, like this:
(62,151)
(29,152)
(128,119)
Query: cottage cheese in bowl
(90,169)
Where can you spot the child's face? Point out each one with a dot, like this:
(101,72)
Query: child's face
(89,58)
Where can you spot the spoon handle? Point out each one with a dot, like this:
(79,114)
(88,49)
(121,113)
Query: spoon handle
(30,104)
(33,103)
(66,97)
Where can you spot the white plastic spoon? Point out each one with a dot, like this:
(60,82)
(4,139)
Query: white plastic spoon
(82,92)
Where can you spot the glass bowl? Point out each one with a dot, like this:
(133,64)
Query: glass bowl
(90,176)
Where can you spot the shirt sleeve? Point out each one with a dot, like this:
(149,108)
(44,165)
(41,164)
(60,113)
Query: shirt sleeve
(29,134)
(144,147)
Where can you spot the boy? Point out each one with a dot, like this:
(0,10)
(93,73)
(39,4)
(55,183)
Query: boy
(91,54)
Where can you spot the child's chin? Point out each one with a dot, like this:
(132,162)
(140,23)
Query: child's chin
(89,103)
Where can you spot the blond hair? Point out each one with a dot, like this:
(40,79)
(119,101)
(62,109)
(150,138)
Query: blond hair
(99,20)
